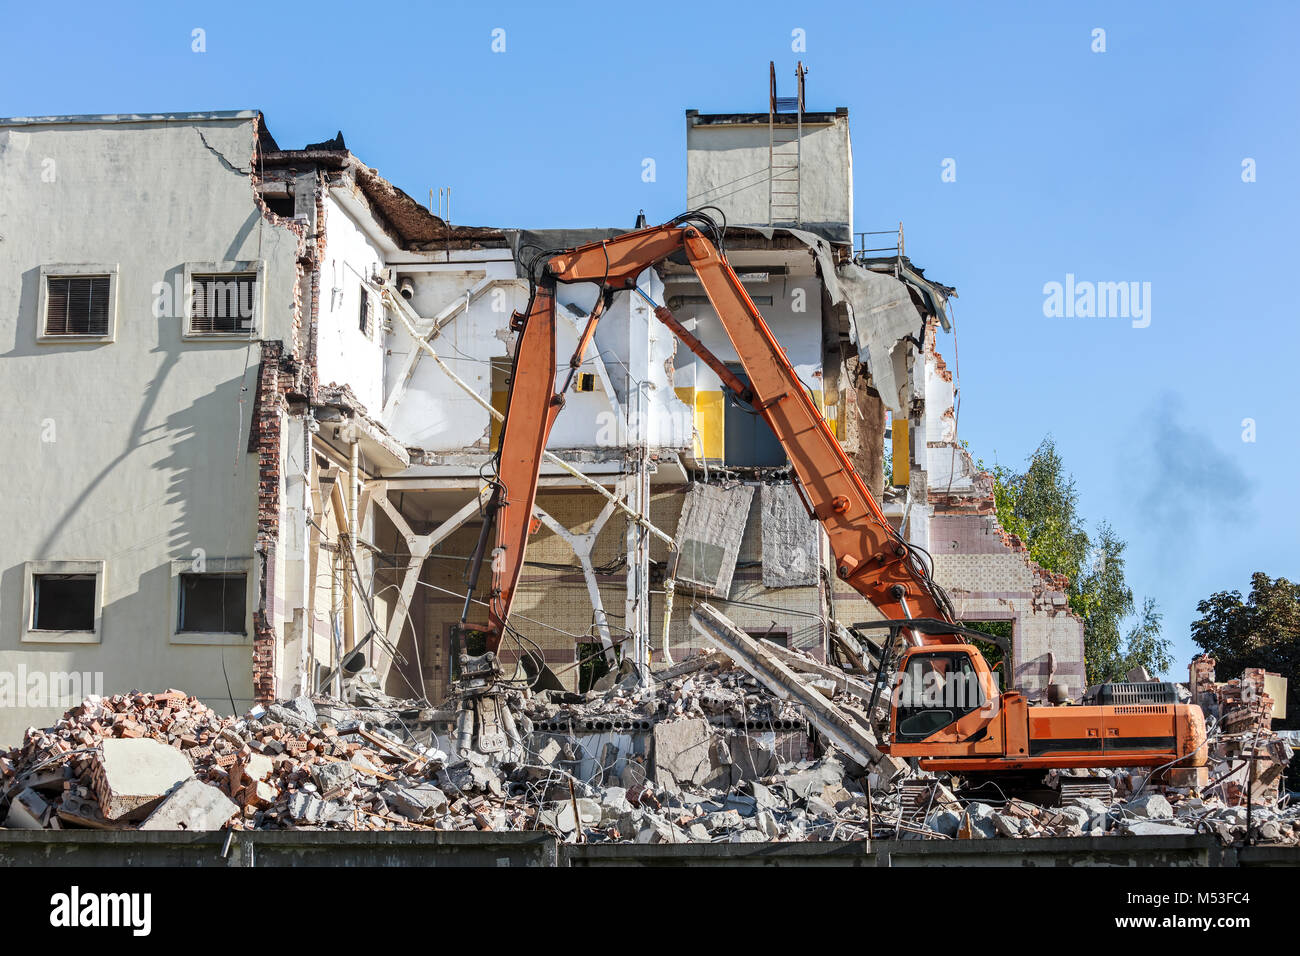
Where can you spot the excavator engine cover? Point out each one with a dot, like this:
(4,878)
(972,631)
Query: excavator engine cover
(1148,692)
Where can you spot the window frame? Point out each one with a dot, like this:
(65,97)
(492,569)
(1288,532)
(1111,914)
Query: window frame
(73,270)
(906,711)
(33,635)
(181,566)
(233,268)
(366,313)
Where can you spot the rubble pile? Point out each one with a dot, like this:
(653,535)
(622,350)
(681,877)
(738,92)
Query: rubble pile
(706,686)
(703,754)
(1243,711)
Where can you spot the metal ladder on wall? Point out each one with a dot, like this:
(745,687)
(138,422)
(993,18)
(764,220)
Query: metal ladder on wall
(784,152)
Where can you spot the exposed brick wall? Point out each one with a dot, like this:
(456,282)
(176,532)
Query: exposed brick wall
(264,440)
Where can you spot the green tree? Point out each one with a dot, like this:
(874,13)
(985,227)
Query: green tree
(1040,506)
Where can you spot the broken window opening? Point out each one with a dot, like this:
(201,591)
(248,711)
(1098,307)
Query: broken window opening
(282,206)
(223,303)
(991,651)
(592,665)
(63,602)
(77,305)
(212,604)
(365,317)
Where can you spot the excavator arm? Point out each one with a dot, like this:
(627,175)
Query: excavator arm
(979,730)
(870,555)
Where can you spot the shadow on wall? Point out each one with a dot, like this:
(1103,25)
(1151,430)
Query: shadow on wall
(203,453)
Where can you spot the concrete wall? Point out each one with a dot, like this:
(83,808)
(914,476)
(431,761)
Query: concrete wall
(87,848)
(727,166)
(629,358)
(132,452)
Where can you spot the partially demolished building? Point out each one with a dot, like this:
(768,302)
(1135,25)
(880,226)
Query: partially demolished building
(253,391)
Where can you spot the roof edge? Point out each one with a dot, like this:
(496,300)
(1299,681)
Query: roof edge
(124,118)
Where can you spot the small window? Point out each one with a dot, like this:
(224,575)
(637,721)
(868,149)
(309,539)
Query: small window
(78,305)
(223,304)
(63,602)
(212,604)
(365,312)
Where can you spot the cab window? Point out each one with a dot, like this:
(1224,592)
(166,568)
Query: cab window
(935,690)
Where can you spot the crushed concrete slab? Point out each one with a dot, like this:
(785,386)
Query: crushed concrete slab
(131,776)
(193,805)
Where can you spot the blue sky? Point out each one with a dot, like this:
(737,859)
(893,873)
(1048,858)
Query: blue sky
(1117,166)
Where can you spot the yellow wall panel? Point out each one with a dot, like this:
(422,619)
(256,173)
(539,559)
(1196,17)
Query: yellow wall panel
(902,449)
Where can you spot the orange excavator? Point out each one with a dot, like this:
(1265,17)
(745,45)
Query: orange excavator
(947,709)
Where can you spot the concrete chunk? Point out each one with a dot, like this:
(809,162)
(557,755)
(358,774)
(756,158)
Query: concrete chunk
(415,802)
(332,777)
(682,753)
(28,811)
(193,805)
(1153,806)
(132,775)
(1149,828)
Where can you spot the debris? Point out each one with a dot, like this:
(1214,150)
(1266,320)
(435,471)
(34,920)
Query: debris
(707,752)
(28,811)
(130,776)
(1152,806)
(193,805)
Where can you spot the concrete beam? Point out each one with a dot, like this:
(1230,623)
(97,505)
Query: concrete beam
(849,736)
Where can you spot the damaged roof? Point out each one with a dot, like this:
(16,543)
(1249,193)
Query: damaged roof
(407,221)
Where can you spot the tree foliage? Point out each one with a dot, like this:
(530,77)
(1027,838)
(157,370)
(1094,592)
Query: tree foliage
(1040,506)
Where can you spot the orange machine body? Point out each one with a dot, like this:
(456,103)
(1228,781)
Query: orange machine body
(948,712)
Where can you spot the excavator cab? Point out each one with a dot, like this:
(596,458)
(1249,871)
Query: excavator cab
(937,688)
(944,695)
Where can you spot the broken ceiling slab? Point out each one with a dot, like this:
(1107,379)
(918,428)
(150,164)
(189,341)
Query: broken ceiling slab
(790,539)
(889,301)
(344,420)
(887,325)
(709,532)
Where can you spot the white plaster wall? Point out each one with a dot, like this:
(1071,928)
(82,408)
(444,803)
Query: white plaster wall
(798,333)
(435,414)
(345,355)
(149,459)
